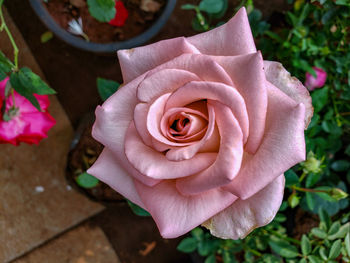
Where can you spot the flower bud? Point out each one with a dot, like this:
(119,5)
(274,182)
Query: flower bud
(311,165)
(338,194)
(311,82)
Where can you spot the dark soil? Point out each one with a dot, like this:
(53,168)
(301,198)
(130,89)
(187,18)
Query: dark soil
(81,157)
(63,11)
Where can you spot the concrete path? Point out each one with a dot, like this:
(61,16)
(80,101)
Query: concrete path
(36,203)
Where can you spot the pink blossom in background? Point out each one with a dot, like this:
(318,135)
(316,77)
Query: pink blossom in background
(202,131)
(311,82)
(29,125)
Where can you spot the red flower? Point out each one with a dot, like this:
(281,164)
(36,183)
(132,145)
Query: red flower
(121,14)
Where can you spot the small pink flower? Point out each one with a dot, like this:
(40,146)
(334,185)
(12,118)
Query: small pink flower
(28,125)
(311,82)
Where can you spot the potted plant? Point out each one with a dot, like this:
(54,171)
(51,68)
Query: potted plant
(98,27)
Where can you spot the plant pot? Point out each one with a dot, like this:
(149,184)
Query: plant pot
(112,47)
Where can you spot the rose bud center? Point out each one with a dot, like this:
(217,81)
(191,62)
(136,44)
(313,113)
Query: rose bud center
(184,124)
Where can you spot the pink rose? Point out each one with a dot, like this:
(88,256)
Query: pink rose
(28,125)
(311,82)
(202,132)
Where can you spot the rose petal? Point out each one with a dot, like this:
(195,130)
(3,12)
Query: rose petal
(184,153)
(112,122)
(176,214)
(196,127)
(248,76)
(282,147)
(39,123)
(231,39)
(281,78)
(243,216)
(198,90)
(163,81)
(155,165)
(228,161)
(108,170)
(205,67)
(134,62)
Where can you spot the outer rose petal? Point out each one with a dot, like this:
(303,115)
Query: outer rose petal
(10,130)
(231,39)
(176,214)
(39,123)
(243,216)
(112,122)
(281,78)
(282,147)
(134,62)
(107,169)
(248,76)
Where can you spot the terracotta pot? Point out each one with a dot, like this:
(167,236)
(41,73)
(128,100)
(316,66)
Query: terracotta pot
(112,47)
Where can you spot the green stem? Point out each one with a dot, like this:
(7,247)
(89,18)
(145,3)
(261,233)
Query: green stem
(13,43)
(308,190)
(295,241)
(13,97)
(302,177)
(253,251)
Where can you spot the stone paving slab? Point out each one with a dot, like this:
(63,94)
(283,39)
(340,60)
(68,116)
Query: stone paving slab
(36,203)
(83,244)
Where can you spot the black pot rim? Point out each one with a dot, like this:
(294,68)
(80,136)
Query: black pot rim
(112,47)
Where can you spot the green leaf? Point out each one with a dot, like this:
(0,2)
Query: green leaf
(228,256)
(17,85)
(303,260)
(106,87)
(341,233)
(187,245)
(310,201)
(221,13)
(305,245)
(211,6)
(3,75)
(334,228)
(319,98)
(33,83)
(347,244)
(102,10)
(188,7)
(205,247)
(347,150)
(291,178)
(139,211)
(197,233)
(319,233)
(86,180)
(45,37)
(322,253)
(210,259)
(5,64)
(324,217)
(335,249)
(340,165)
(284,249)
(314,259)
(312,179)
